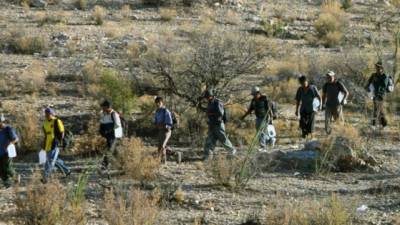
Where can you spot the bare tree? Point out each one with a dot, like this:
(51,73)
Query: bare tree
(210,60)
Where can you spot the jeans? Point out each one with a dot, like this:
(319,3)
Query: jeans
(216,132)
(6,170)
(52,161)
(262,138)
(332,113)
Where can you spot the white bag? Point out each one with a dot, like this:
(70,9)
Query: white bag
(11,151)
(42,157)
(118,132)
(271,131)
(340,98)
(316,104)
(371,91)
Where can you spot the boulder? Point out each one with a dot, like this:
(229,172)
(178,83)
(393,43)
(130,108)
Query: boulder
(38,3)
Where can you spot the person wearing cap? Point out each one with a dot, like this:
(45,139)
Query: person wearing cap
(8,136)
(109,122)
(331,103)
(379,82)
(264,115)
(216,126)
(305,97)
(163,122)
(53,129)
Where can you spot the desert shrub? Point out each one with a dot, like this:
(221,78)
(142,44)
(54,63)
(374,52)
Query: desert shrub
(153,2)
(132,208)
(137,160)
(42,204)
(28,128)
(167,14)
(50,18)
(282,91)
(275,28)
(33,79)
(331,23)
(222,170)
(90,142)
(126,11)
(81,4)
(331,211)
(20,42)
(347,4)
(98,14)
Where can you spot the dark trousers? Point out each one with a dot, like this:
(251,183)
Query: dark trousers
(6,170)
(379,113)
(111,152)
(307,123)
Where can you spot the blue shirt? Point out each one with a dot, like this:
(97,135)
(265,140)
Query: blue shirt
(7,134)
(163,118)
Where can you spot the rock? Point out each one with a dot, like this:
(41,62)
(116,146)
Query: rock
(255,19)
(38,3)
(60,39)
(312,146)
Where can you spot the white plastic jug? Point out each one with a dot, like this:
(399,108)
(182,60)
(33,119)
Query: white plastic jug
(271,131)
(11,151)
(42,157)
(340,98)
(316,104)
(118,132)
(371,90)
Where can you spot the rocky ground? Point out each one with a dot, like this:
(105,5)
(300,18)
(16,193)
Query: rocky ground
(77,39)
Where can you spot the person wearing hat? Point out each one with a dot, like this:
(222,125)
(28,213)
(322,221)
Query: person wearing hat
(216,125)
(379,84)
(333,106)
(264,115)
(8,136)
(53,129)
(305,98)
(109,122)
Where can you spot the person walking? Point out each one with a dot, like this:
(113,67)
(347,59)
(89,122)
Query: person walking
(164,123)
(334,96)
(111,130)
(264,115)
(306,96)
(8,136)
(379,84)
(53,129)
(216,126)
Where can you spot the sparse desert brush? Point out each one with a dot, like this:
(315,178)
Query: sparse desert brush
(232,17)
(91,141)
(27,125)
(282,91)
(329,211)
(50,18)
(81,4)
(168,14)
(126,11)
(347,4)
(222,170)
(33,78)
(20,42)
(179,196)
(132,208)
(137,160)
(98,14)
(42,204)
(331,23)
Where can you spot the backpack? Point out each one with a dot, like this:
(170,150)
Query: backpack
(124,123)
(175,119)
(66,140)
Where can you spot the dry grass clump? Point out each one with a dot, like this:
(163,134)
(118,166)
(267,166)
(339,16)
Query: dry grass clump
(50,18)
(331,211)
(89,142)
(282,91)
(126,11)
(137,160)
(168,14)
(21,42)
(132,208)
(331,23)
(33,78)
(98,14)
(42,204)
(222,170)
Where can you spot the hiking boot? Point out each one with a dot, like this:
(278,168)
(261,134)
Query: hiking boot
(43,180)
(262,149)
(68,173)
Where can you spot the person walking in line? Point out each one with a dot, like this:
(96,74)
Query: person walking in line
(264,115)
(379,84)
(111,130)
(53,129)
(305,106)
(334,95)
(216,126)
(8,137)
(164,123)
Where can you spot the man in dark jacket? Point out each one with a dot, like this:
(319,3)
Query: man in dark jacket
(7,137)
(334,95)
(379,84)
(264,115)
(163,122)
(305,97)
(216,126)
